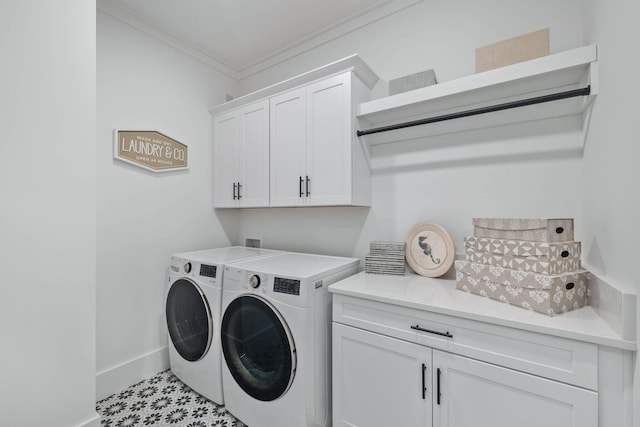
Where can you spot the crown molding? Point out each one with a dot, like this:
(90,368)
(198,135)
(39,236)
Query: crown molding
(351,63)
(314,40)
(160,34)
(324,36)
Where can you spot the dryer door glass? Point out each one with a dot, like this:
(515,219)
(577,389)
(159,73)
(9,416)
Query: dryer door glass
(188,320)
(258,348)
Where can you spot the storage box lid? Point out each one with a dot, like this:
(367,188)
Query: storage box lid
(519,223)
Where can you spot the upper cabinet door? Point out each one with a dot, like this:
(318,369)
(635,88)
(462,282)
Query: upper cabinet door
(474,393)
(329,136)
(226,130)
(241,150)
(288,148)
(253,179)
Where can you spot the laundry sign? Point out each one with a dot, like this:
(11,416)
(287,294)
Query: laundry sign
(150,150)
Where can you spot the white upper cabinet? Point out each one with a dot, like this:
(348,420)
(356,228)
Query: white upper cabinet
(288,147)
(226,154)
(295,143)
(330,142)
(241,150)
(313,147)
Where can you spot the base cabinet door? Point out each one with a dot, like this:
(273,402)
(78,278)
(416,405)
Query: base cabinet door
(379,381)
(473,393)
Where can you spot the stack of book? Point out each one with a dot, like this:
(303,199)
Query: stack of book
(531,263)
(385,258)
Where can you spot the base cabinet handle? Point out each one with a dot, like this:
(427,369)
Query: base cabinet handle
(239,186)
(444,334)
(300,187)
(438,386)
(234,191)
(424,387)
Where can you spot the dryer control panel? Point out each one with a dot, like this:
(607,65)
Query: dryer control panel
(286,286)
(208,270)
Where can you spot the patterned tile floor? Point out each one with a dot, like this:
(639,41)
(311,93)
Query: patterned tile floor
(162,401)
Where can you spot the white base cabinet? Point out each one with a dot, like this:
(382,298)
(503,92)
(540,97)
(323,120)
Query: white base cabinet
(379,381)
(473,393)
(402,367)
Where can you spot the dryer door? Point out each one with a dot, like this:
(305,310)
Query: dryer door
(189,320)
(258,347)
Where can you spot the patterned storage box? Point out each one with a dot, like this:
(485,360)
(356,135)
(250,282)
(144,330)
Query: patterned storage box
(523,248)
(539,264)
(543,293)
(532,230)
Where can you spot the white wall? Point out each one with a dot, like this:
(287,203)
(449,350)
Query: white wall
(144,217)
(446,179)
(437,34)
(611,173)
(47,243)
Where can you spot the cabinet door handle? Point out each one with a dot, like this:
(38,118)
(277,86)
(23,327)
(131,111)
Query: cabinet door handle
(444,334)
(239,186)
(308,186)
(300,187)
(424,387)
(438,385)
(234,191)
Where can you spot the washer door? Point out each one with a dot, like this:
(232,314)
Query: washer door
(258,348)
(189,320)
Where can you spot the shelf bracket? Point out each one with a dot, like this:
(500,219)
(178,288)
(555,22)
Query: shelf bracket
(483,110)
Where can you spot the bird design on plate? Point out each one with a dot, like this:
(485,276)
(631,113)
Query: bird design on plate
(426,248)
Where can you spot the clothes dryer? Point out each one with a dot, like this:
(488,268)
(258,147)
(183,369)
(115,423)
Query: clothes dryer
(192,313)
(275,338)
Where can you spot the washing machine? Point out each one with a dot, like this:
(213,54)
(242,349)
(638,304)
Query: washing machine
(275,338)
(192,311)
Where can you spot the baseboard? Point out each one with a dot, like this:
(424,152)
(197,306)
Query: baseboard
(93,422)
(119,377)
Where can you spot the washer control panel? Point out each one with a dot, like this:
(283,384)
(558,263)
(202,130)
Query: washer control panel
(286,286)
(183,267)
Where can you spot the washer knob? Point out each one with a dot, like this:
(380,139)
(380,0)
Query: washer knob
(187,267)
(254,281)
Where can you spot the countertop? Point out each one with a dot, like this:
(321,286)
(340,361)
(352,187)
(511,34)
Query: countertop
(441,296)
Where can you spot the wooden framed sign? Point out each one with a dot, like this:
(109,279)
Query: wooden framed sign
(150,150)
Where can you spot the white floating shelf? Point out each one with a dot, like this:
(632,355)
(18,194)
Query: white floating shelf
(561,72)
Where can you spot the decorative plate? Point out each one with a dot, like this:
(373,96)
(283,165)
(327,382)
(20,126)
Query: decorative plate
(430,249)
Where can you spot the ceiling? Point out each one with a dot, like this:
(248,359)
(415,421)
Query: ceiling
(241,37)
